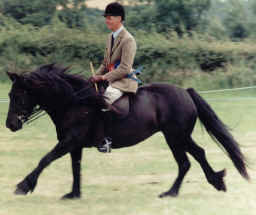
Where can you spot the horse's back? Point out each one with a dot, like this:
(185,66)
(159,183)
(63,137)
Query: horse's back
(168,102)
(163,88)
(170,94)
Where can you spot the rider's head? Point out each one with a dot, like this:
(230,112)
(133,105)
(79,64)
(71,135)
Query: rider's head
(114,15)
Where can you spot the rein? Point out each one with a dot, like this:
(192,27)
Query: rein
(36,114)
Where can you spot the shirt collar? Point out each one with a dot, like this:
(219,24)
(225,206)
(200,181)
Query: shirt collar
(116,33)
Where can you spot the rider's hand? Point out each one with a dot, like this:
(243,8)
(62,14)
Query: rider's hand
(96,78)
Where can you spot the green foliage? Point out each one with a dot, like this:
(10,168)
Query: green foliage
(145,21)
(252,6)
(236,20)
(27,47)
(75,36)
(73,16)
(40,13)
(164,58)
(163,15)
(232,76)
(179,14)
(36,12)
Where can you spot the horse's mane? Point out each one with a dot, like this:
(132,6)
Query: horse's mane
(72,88)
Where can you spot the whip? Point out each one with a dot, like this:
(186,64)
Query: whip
(93,73)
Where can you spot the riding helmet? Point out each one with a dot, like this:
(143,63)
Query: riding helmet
(115,9)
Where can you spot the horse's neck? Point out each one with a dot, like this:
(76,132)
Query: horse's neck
(53,115)
(54,109)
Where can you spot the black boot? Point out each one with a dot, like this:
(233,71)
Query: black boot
(105,147)
(106,143)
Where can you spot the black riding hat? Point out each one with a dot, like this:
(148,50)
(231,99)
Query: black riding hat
(115,9)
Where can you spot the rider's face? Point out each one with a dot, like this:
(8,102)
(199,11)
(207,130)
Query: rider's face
(113,22)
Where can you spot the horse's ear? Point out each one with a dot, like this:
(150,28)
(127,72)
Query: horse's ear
(48,67)
(67,68)
(13,76)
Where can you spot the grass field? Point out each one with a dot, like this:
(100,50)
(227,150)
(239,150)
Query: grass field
(128,181)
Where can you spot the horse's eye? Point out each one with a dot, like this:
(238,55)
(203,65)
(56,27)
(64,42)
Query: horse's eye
(19,101)
(22,101)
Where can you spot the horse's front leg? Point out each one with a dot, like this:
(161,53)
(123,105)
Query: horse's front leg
(30,181)
(76,157)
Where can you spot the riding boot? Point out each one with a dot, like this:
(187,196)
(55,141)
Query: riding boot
(105,144)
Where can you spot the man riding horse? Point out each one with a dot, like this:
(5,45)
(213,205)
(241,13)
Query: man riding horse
(74,107)
(116,68)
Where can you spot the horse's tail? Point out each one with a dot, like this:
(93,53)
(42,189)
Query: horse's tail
(219,132)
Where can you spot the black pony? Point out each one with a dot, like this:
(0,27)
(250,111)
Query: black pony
(74,105)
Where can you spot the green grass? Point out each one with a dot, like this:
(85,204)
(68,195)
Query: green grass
(128,181)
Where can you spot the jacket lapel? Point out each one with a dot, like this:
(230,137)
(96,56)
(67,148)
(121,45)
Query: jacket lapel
(117,41)
(109,44)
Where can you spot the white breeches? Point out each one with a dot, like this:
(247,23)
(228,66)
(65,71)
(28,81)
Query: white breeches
(112,94)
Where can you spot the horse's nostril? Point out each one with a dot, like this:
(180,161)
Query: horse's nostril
(14,125)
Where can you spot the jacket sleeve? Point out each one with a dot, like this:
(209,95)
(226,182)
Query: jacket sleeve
(126,61)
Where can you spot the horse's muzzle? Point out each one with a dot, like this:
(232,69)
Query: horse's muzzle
(14,123)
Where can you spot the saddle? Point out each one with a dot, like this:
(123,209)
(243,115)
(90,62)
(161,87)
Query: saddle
(122,106)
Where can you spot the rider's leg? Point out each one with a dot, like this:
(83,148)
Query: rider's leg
(111,94)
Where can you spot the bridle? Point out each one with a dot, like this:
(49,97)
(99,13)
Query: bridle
(37,113)
(27,117)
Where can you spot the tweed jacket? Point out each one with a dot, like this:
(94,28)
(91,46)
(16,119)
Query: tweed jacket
(123,51)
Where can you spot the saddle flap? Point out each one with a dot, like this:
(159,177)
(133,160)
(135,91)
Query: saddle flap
(122,106)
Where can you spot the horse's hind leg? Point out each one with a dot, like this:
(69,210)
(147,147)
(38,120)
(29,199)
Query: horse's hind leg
(214,178)
(180,156)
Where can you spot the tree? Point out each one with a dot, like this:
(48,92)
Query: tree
(236,20)
(214,20)
(180,15)
(40,13)
(165,15)
(73,14)
(251,17)
(252,5)
(142,17)
(36,12)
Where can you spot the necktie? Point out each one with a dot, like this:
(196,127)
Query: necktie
(112,41)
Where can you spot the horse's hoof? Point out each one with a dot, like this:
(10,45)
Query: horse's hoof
(71,196)
(22,188)
(19,191)
(218,181)
(168,194)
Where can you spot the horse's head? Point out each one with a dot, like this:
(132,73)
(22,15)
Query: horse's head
(52,89)
(22,103)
